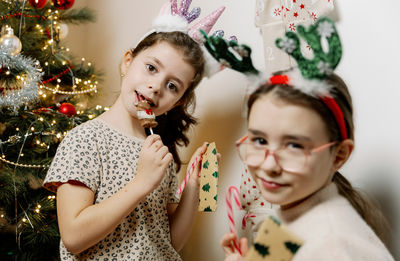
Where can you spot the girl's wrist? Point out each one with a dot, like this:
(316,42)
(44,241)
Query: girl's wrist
(143,188)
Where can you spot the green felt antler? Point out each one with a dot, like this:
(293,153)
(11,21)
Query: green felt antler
(323,63)
(230,53)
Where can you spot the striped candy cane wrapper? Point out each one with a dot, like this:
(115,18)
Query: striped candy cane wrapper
(233,191)
(187,177)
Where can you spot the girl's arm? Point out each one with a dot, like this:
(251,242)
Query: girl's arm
(82,224)
(181,217)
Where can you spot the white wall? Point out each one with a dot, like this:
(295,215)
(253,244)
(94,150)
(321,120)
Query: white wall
(370,66)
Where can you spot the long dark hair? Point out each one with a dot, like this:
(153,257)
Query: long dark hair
(368,211)
(172,127)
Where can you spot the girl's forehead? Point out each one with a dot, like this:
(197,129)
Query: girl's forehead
(171,59)
(275,116)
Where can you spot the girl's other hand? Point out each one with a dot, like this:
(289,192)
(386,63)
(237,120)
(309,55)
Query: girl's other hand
(195,179)
(229,250)
(154,159)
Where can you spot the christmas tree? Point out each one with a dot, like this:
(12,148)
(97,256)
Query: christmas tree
(44,92)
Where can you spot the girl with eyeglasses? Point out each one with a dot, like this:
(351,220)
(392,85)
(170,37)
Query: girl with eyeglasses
(294,149)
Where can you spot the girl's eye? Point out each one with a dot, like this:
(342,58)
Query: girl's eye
(171,86)
(151,68)
(257,141)
(295,146)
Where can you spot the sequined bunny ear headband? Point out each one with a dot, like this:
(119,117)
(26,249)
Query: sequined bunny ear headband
(308,77)
(173,17)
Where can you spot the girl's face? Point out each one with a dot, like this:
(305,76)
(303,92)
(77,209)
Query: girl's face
(158,74)
(277,124)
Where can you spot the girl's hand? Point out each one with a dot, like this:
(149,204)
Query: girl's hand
(194,180)
(154,159)
(229,250)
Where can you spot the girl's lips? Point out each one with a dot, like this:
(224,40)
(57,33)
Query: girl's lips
(141,97)
(137,98)
(271,185)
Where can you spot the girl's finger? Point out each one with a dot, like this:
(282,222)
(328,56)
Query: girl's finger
(167,158)
(227,243)
(150,140)
(157,145)
(162,151)
(244,247)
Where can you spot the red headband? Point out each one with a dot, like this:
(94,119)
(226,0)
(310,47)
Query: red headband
(329,101)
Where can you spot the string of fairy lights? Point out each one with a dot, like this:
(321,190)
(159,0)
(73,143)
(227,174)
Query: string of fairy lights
(79,86)
(38,142)
(54,85)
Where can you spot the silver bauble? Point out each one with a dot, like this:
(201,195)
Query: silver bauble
(62,30)
(9,43)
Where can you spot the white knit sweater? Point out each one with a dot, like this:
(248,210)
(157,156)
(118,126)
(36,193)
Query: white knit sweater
(332,230)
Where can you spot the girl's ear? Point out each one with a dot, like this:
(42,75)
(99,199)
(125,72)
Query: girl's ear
(126,61)
(342,153)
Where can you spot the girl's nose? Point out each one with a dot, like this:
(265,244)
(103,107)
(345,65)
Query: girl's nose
(270,165)
(155,88)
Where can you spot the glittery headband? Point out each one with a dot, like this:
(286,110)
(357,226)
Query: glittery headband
(178,18)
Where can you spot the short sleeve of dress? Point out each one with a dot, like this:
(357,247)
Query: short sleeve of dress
(77,160)
(173,184)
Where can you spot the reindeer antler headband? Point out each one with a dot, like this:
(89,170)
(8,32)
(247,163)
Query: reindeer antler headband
(309,76)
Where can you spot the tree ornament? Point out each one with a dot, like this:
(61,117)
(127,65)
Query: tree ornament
(38,3)
(62,30)
(63,4)
(67,108)
(9,43)
(19,85)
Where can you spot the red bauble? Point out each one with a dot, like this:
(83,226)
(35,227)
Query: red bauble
(63,4)
(38,3)
(67,109)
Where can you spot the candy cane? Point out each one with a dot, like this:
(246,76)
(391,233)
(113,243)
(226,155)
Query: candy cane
(245,218)
(233,190)
(187,177)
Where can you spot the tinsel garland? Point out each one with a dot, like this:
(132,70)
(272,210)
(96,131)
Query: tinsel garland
(14,98)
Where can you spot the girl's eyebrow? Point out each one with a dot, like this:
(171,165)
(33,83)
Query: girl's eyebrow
(158,62)
(297,137)
(256,132)
(285,137)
